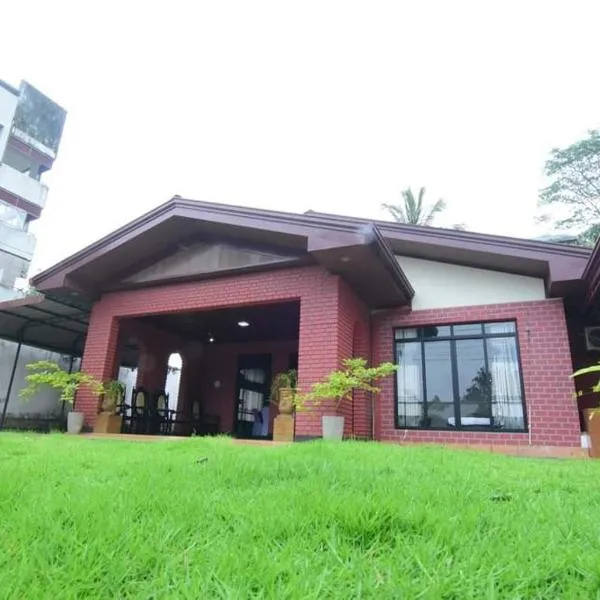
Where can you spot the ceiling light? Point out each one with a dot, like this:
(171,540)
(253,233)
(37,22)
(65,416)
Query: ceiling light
(243,324)
(211,339)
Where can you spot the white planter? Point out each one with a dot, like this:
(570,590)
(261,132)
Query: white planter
(333,428)
(74,422)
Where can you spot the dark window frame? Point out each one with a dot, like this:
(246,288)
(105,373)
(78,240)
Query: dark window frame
(483,335)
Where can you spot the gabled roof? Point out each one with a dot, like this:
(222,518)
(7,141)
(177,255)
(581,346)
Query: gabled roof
(355,251)
(361,251)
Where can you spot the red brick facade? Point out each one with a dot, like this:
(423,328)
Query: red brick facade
(545,362)
(334,324)
(319,347)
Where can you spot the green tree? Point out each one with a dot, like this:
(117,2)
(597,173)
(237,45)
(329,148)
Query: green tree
(412,211)
(575,185)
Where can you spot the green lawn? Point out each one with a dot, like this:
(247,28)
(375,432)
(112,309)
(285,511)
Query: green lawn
(205,518)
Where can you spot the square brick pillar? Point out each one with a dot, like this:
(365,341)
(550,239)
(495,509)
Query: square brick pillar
(99,360)
(317,352)
(328,319)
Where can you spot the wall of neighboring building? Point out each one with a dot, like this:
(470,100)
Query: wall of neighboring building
(444,285)
(545,364)
(46,404)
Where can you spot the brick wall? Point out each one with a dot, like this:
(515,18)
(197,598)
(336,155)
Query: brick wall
(354,341)
(545,362)
(316,289)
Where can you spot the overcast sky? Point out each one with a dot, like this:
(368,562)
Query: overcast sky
(334,106)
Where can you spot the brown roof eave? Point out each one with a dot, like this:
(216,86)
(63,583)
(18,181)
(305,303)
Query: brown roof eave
(389,260)
(177,206)
(591,274)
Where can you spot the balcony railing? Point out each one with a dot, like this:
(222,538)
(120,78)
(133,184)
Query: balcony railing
(23,186)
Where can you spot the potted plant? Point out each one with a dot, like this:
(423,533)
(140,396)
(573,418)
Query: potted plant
(108,421)
(339,385)
(283,391)
(592,415)
(46,373)
(114,393)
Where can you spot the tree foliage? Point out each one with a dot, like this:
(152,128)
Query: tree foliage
(45,373)
(413,211)
(575,185)
(339,385)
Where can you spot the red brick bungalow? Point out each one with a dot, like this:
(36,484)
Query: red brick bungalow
(478,323)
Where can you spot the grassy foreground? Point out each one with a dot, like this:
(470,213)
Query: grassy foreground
(205,518)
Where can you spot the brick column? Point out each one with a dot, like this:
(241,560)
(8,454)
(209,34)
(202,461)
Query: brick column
(361,411)
(317,352)
(99,359)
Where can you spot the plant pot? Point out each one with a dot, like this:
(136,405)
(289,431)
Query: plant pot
(107,422)
(285,401)
(333,428)
(592,425)
(74,422)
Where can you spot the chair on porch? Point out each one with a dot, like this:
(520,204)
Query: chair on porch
(161,415)
(124,410)
(139,411)
(202,423)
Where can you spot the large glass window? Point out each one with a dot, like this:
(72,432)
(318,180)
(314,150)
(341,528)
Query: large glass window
(459,377)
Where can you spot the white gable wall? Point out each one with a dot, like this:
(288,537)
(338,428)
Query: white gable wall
(444,285)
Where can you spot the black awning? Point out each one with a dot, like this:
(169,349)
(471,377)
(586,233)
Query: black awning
(50,323)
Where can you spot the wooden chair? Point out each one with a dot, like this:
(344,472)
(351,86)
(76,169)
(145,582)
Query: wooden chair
(124,409)
(203,424)
(161,413)
(140,411)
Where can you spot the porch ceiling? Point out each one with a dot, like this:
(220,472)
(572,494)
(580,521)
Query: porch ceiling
(267,322)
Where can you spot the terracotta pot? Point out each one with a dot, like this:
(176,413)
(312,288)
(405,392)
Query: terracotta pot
(285,400)
(592,425)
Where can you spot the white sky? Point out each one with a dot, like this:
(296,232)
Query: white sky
(334,106)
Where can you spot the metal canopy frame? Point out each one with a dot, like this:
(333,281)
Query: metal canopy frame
(20,317)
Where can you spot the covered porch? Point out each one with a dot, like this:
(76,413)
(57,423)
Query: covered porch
(228,356)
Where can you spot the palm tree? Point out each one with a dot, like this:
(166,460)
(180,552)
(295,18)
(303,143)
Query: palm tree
(412,211)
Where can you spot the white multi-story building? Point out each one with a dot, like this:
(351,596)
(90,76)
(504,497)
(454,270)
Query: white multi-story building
(30,130)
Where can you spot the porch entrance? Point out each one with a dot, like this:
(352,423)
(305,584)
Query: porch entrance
(229,357)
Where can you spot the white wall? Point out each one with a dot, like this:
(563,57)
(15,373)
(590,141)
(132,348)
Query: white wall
(8,104)
(443,285)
